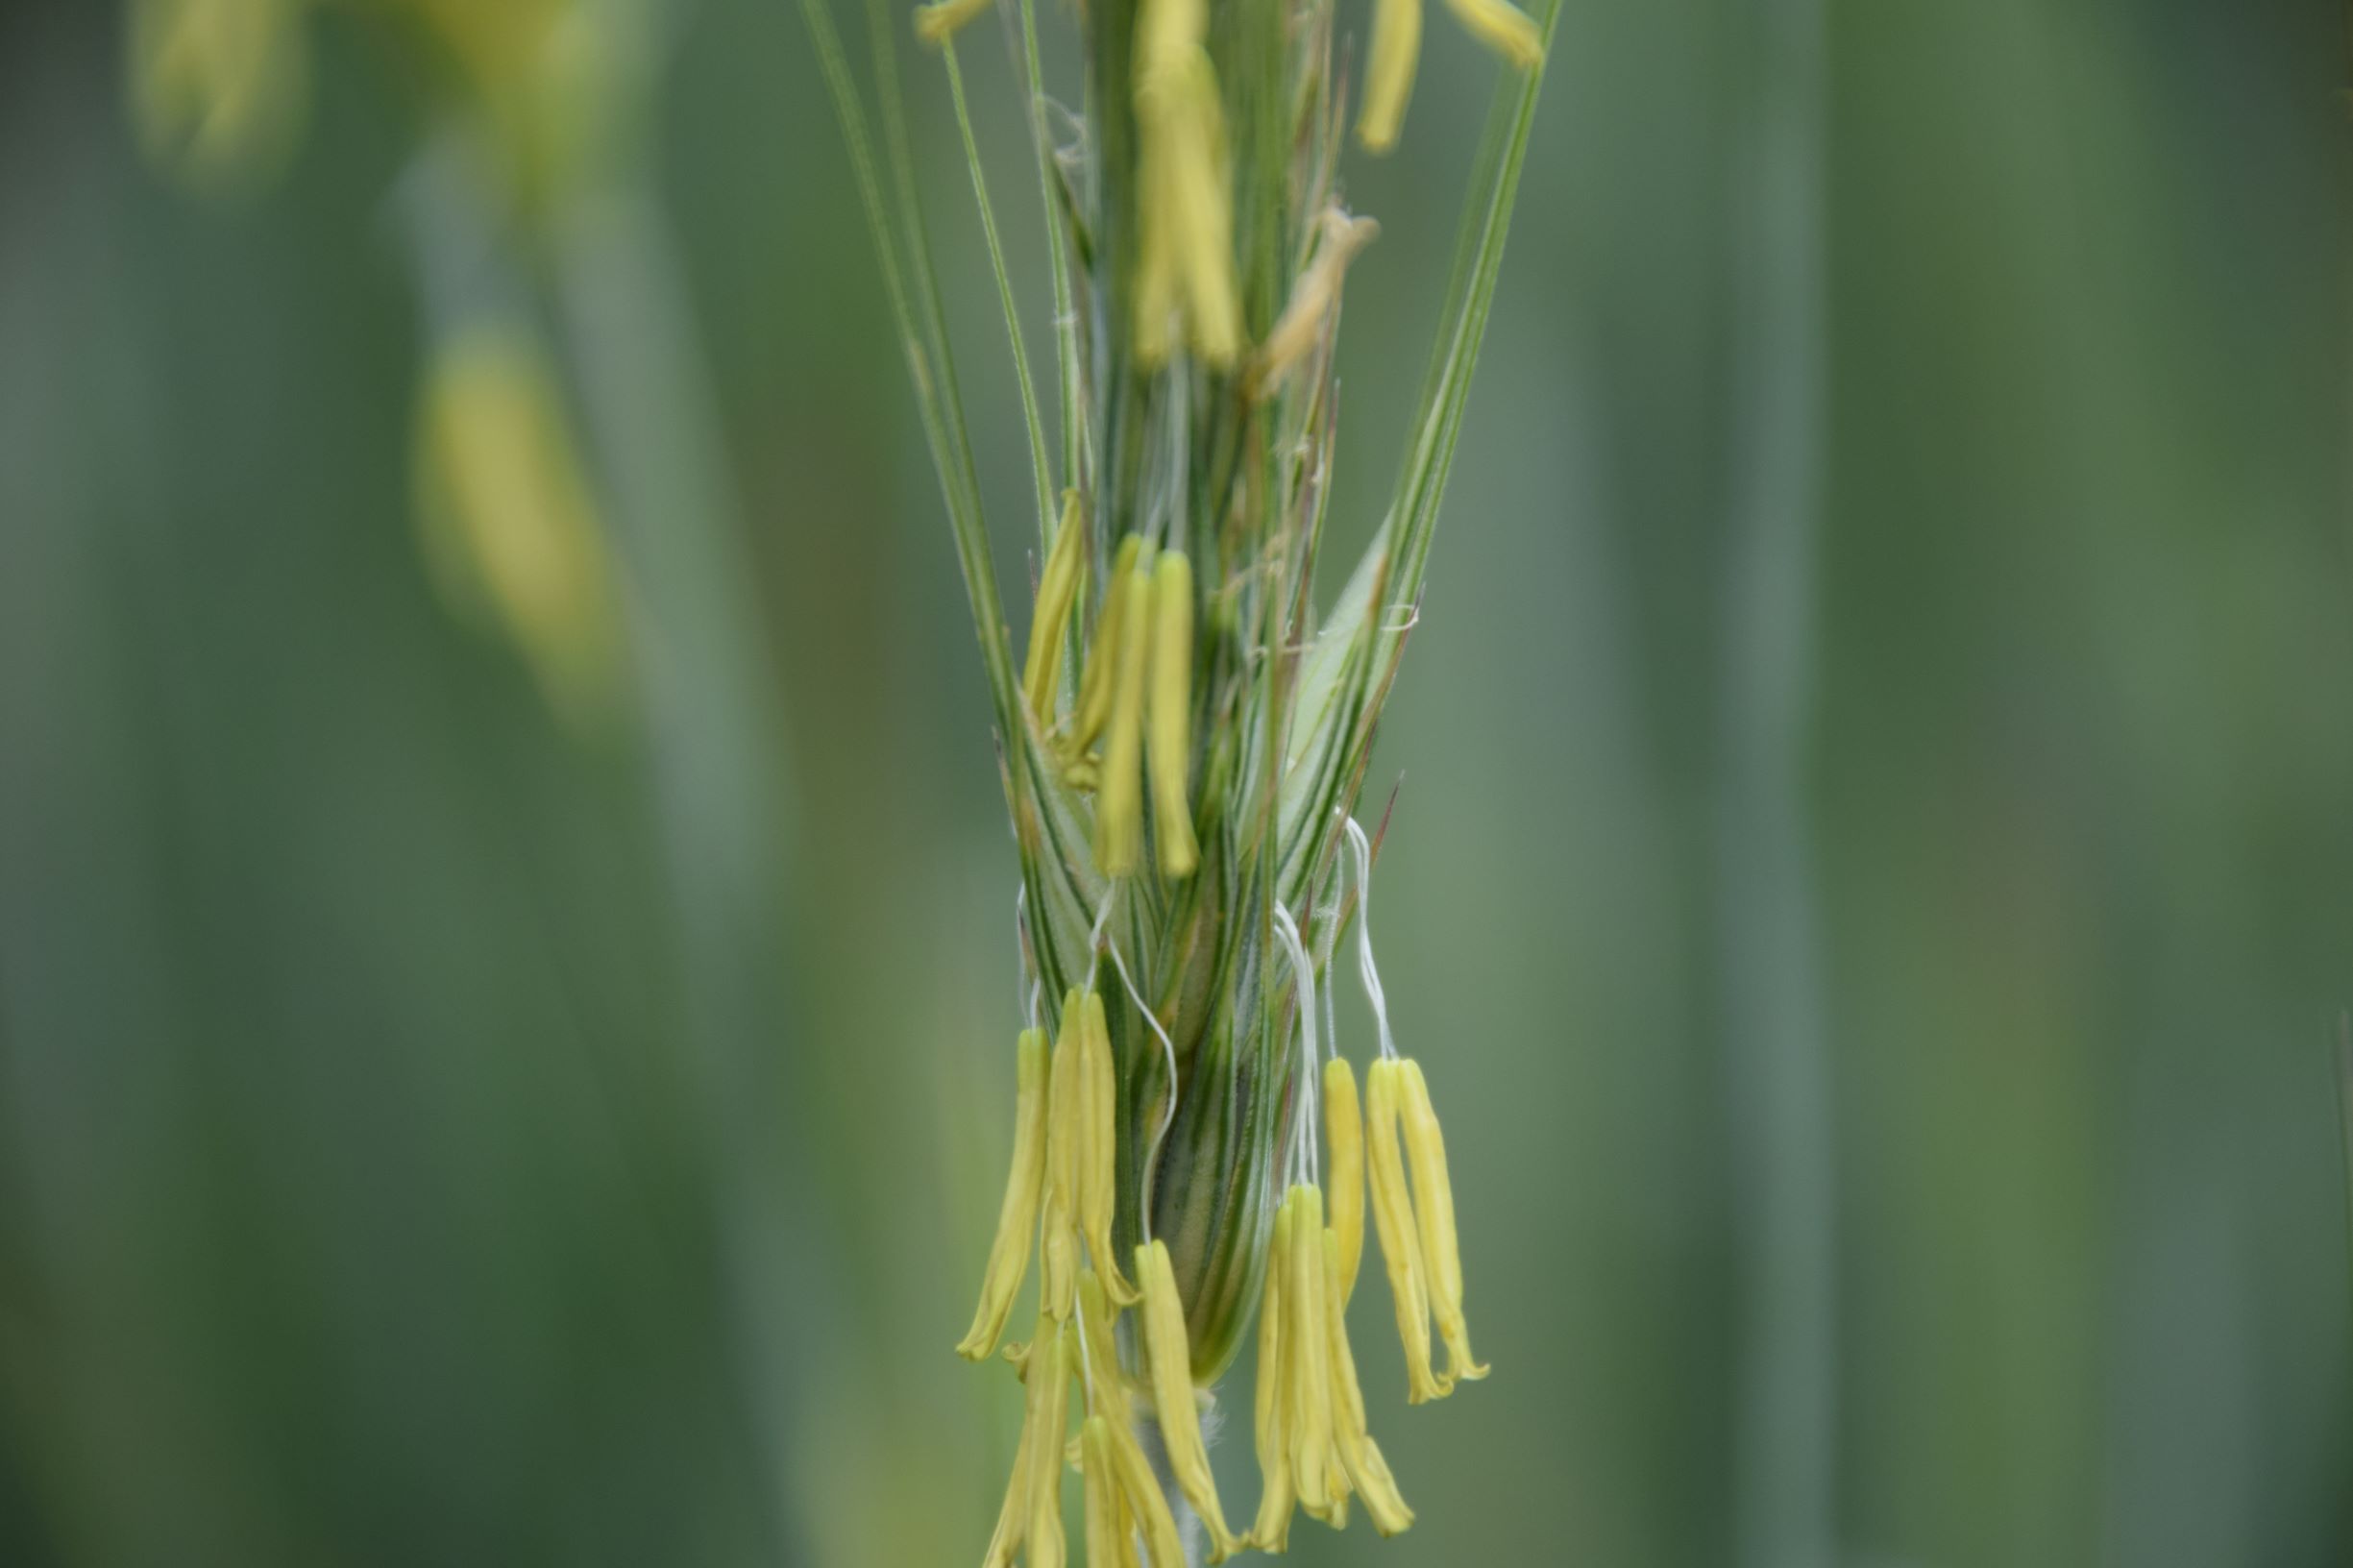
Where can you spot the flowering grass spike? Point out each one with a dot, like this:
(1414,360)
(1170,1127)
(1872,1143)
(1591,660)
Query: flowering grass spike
(1191,1153)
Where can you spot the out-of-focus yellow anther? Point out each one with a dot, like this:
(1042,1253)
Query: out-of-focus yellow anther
(1272,1529)
(1344,1174)
(945,19)
(1170,1360)
(1367,1470)
(1118,823)
(1185,271)
(1017,1220)
(1388,72)
(1099,683)
(1396,48)
(1057,592)
(1098,1150)
(506,511)
(1304,1358)
(1401,1245)
(1049,1409)
(1433,1207)
(220,86)
(1339,239)
(1168,737)
(1502,26)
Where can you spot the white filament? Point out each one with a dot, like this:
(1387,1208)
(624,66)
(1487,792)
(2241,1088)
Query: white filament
(1304,1150)
(1365,967)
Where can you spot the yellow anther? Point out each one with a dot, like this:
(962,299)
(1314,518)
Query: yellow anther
(1272,1532)
(1502,26)
(1108,1389)
(1396,49)
(220,86)
(1118,823)
(1344,1145)
(1148,1508)
(1168,737)
(1367,1470)
(1016,1218)
(934,23)
(1170,1359)
(1064,1131)
(1038,1449)
(1433,1207)
(1099,684)
(506,510)
(1305,1360)
(1186,267)
(1401,1245)
(1388,72)
(1098,1152)
(1102,1490)
(1057,592)
(1340,238)
(1049,1410)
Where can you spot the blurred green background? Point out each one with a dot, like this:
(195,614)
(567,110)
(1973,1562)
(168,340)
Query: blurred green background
(431,1132)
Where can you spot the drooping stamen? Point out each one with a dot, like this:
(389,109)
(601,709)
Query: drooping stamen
(1098,1147)
(1367,1470)
(1433,1207)
(1170,1362)
(1018,1216)
(1393,1220)
(1048,1412)
(1272,1531)
(1306,1362)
